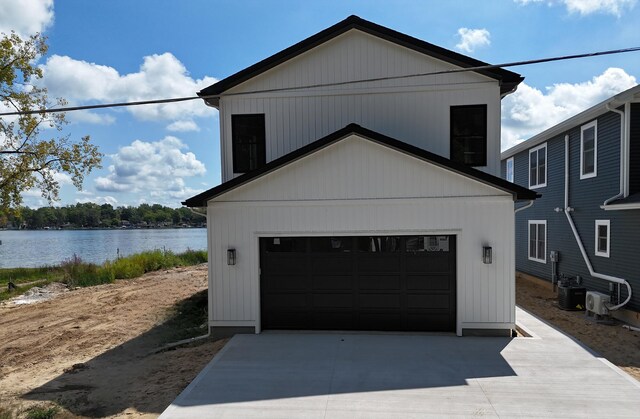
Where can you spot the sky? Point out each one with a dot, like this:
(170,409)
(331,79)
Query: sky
(123,50)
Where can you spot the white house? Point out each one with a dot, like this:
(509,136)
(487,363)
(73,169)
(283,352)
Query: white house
(361,191)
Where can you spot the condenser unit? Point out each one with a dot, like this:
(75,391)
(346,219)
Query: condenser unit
(596,302)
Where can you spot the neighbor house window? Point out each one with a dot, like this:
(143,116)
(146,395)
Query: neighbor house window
(538,240)
(509,169)
(603,234)
(588,150)
(538,166)
(248,142)
(469,135)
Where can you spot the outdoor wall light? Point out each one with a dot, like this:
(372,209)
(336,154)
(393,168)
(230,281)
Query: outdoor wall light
(231,256)
(486,254)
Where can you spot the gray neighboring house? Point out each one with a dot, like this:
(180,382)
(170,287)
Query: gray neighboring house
(603,192)
(361,190)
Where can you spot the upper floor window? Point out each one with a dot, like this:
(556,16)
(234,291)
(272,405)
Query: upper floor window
(588,150)
(509,169)
(469,135)
(538,166)
(248,142)
(603,235)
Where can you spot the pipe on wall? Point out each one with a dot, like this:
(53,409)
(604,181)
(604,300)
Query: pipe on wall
(567,211)
(623,155)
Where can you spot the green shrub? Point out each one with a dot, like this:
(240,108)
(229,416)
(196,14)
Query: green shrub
(39,412)
(81,274)
(193,257)
(126,268)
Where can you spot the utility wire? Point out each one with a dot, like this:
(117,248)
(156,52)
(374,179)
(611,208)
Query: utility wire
(460,70)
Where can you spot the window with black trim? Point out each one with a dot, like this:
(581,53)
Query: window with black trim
(469,135)
(248,142)
(538,240)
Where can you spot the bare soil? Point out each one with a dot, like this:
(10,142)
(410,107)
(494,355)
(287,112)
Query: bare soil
(618,345)
(88,350)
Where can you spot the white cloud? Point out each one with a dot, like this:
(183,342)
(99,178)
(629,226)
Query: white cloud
(155,168)
(98,200)
(160,76)
(530,111)
(183,126)
(587,7)
(25,17)
(470,39)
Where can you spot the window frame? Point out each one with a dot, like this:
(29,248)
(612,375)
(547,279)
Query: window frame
(593,124)
(546,240)
(506,169)
(261,158)
(546,165)
(606,223)
(484,108)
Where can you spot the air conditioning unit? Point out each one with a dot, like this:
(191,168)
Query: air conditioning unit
(596,302)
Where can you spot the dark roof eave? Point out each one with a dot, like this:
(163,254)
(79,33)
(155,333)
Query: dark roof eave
(519,193)
(508,79)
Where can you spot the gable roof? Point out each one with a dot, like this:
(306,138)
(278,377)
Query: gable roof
(508,80)
(572,122)
(518,192)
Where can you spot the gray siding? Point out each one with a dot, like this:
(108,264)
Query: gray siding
(634,150)
(585,197)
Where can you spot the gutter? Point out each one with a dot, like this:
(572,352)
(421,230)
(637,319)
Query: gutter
(567,210)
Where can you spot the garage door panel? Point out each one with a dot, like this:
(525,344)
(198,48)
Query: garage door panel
(332,263)
(428,282)
(378,262)
(286,301)
(379,282)
(430,321)
(287,282)
(384,321)
(332,282)
(333,300)
(288,319)
(430,301)
(284,263)
(379,300)
(429,262)
(334,320)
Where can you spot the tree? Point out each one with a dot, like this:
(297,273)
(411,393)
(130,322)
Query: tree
(31,158)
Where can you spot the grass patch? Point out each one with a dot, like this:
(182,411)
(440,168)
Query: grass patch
(187,319)
(77,273)
(39,412)
(22,275)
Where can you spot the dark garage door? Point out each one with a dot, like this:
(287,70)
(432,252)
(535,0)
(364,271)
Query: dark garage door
(358,283)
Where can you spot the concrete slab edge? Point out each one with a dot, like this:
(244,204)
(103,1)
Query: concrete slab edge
(175,404)
(595,354)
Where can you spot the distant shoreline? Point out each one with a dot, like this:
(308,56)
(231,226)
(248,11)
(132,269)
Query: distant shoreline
(100,228)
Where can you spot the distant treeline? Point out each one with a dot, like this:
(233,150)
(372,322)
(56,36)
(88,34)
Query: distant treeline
(90,215)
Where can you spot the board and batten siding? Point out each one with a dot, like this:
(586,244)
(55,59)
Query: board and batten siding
(388,193)
(585,196)
(413,110)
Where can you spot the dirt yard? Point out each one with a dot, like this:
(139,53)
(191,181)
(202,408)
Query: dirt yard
(88,350)
(618,345)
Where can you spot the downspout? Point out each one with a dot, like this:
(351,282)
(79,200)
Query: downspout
(567,210)
(623,154)
(524,207)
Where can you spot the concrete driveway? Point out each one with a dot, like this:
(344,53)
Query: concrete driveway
(343,375)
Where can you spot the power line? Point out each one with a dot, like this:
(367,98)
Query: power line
(406,76)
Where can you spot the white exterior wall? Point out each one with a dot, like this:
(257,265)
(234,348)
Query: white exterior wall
(306,198)
(412,110)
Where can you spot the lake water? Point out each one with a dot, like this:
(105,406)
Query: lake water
(33,248)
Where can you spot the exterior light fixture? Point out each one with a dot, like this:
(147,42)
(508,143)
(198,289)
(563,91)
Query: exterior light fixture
(231,256)
(487,254)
